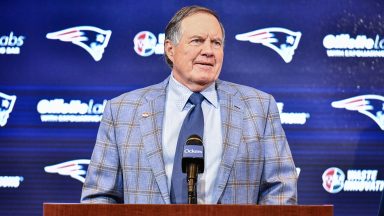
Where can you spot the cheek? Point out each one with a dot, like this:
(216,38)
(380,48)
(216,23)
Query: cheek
(219,60)
(187,59)
(220,57)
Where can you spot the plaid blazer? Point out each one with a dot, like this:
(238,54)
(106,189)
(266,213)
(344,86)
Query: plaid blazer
(127,162)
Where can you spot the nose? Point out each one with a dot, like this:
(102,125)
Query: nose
(207,49)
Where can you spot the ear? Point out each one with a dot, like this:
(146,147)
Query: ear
(169,49)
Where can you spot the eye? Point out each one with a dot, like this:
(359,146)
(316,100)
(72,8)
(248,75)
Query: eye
(196,41)
(217,44)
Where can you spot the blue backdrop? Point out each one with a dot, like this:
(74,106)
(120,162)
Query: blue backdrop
(322,60)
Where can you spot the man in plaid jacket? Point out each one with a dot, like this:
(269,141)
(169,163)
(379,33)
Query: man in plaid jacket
(248,160)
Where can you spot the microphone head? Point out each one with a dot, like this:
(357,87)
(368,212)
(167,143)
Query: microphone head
(194,140)
(193,153)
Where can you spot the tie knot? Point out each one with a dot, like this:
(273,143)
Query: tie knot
(196,98)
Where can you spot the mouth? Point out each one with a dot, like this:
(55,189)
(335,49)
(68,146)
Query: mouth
(205,64)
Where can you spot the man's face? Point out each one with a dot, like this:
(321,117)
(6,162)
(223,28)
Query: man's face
(198,57)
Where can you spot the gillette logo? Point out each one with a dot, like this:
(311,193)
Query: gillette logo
(146,44)
(6,105)
(94,40)
(343,45)
(57,110)
(281,40)
(292,117)
(10,44)
(10,181)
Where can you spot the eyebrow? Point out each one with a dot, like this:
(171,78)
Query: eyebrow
(202,37)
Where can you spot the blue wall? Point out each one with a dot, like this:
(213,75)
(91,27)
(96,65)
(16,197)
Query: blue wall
(322,60)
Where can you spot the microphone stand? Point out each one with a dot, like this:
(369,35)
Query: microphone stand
(191,181)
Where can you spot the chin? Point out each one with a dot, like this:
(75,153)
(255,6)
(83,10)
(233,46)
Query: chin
(204,82)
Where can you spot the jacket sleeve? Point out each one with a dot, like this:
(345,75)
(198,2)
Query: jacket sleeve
(279,177)
(103,183)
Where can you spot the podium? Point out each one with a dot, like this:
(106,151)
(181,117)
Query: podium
(59,209)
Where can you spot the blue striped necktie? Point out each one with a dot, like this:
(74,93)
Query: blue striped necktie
(193,124)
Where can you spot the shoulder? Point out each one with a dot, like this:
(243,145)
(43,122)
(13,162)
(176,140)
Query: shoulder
(140,95)
(243,92)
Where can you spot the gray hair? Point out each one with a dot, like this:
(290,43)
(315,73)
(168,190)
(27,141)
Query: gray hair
(172,31)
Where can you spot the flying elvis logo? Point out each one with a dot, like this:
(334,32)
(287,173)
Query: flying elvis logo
(94,40)
(369,105)
(6,105)
(281,40)
(73,168)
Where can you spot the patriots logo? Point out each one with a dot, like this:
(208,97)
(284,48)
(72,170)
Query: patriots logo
(6,105)
(281,40)
(92,39)
(73,168)
(369,105)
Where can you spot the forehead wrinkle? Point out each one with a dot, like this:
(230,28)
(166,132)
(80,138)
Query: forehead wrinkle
(212,37)
(217,33)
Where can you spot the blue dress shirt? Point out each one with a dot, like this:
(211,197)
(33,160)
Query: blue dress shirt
(176,108)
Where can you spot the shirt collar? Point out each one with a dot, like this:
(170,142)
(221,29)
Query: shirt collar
(181,93)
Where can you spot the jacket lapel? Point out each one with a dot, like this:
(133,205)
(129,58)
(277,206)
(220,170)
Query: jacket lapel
(231,109)
(151,122)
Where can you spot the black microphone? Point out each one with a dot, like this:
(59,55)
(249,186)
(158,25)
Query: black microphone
(192,164)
